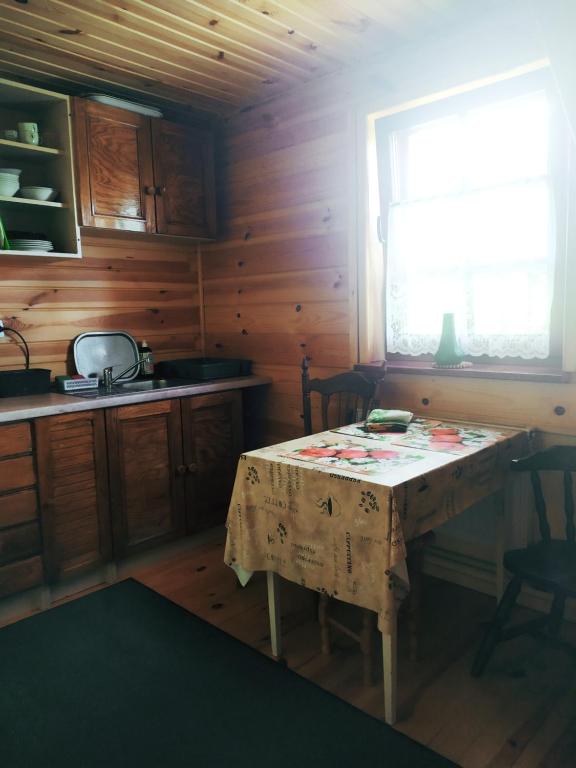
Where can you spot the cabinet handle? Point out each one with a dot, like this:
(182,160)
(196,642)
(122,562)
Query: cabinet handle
(181,469)
(150,190)
(160,190)
(192,468)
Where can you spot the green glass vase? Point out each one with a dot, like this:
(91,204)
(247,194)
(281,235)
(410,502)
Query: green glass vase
(4,244)
(449,353)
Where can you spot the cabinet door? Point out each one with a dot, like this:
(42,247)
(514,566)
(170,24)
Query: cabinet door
(20,541)
(146,474)
(73,488)
(184,173)
(212,430)
(114,167)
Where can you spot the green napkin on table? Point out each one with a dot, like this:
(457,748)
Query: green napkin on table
(381,420)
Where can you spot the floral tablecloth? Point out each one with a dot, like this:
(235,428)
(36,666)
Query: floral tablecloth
(333,511)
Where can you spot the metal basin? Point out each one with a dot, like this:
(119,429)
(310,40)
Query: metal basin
(134,387)
(152,384)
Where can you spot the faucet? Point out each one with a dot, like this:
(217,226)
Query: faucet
(108,380)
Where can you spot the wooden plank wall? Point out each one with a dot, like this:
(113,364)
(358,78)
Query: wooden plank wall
(277,286)
(281,281)
(149,289)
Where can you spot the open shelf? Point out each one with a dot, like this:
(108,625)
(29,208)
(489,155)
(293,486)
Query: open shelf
(27,201)
(19,149)
(41,254)
(40,166)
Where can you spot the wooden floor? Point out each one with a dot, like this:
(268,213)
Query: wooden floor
(522,713)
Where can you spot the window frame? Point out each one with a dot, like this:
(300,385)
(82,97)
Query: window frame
(561,176)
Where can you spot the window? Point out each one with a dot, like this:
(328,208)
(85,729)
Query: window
(470,194)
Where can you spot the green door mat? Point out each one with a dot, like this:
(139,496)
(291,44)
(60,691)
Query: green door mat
(123,677)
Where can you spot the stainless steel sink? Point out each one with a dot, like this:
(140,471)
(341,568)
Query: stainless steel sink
(152,384)
(135,387)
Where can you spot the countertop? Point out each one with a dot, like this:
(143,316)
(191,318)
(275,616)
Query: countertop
(35,406)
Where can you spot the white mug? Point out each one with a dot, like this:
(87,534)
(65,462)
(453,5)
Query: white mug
(28,133)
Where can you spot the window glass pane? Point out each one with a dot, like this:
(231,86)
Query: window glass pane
(506,225)
(516,305)
(471,231)
(431,161)
(507,141)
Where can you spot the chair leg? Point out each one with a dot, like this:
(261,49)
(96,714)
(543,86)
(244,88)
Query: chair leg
(367,645)
(492,634)
(324,625)
(556,614)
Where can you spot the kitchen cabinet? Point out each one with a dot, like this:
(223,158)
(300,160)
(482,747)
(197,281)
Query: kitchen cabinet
(184,178)
(20,540)
(212,443)
(143,174)
(73,484)
(47,164)
(112,482)
(146,474)
(172,466)
(114,164)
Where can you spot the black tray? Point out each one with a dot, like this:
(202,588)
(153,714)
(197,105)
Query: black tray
(204,368)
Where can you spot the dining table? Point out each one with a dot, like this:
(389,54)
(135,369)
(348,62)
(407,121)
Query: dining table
(333,511)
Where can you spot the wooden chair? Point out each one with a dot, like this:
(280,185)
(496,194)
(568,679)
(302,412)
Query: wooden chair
(355,396)
(344,399)
(354,391)
(548,566)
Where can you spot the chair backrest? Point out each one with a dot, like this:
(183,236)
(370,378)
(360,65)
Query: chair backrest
(560,458)
(354,391)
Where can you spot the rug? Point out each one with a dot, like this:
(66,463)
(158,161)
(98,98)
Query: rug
(123,677)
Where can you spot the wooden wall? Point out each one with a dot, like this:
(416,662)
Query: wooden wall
(282,280)
(278,285)
(149,289)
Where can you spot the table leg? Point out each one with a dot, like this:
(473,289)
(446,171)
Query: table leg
(390,673)
(274,613)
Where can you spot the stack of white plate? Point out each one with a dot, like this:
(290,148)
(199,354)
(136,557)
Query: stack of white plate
(17,244)
(9,181)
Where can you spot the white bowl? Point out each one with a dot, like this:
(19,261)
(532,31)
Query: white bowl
(8,188)
(10,171)
(38,193)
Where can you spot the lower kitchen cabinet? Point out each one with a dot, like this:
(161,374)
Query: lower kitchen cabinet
(73,486)
(146,474)
(212,442)
(20,539)
(172,466)
(118,480)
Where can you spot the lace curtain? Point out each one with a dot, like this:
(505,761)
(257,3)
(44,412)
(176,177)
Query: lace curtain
(471,231)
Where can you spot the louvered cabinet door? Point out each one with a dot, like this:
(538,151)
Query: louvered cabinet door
(73,487)
(146,474)
(213,440)
(20,540)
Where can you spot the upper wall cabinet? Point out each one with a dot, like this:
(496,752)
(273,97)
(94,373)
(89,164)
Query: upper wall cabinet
(143,174)
(37,201)
(184,178)
(114,162)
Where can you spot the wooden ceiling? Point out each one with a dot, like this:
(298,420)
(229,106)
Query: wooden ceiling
(213,55)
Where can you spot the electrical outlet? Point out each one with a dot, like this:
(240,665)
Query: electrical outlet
(1,331)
